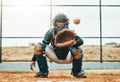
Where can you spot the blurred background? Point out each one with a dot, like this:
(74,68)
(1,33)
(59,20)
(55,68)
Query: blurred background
(24,23)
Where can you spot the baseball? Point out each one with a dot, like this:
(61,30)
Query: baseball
(76,21)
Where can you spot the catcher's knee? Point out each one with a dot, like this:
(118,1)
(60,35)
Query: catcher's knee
(77,53)
(37,49)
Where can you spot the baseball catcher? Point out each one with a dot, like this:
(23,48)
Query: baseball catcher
(59,44)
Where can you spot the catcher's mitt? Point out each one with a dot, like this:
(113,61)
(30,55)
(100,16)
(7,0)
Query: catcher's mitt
(64,38)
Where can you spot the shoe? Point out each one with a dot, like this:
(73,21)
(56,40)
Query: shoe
(79,75)
(41,75)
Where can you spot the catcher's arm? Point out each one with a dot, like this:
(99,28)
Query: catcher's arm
(79,40)
(48,37)
(33,62)
(32,65)
(65,44)
(39,49)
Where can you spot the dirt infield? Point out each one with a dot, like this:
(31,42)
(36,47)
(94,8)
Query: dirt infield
(61,76)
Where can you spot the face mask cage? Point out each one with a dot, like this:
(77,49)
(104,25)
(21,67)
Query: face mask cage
(60,20)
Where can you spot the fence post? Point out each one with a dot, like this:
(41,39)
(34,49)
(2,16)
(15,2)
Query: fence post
(0,31)
(100,31)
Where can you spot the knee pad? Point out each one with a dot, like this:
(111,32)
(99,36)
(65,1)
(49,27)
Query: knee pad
(77,53)
(37,49)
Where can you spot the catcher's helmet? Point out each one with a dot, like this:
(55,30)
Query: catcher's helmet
(61,17)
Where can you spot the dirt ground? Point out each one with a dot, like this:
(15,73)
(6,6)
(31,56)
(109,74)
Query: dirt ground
(25,53)
(61,76)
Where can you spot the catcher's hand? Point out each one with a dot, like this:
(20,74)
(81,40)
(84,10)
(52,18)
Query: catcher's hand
(64,38)
(32,65)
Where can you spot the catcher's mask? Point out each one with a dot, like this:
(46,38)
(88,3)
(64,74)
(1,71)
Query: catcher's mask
(60,18)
